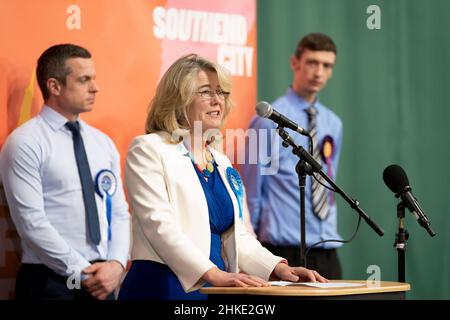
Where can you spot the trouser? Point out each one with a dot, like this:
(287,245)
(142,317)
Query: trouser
(324,261)
(38,282)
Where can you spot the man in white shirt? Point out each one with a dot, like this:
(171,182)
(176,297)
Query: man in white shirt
(63,186)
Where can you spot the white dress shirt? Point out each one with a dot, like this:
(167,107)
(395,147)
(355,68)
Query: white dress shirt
(43,190)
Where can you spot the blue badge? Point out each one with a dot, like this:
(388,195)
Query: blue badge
(236,185)
(106,187)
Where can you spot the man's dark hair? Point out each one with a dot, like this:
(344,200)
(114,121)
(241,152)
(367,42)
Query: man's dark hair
(315,42)
(52,64)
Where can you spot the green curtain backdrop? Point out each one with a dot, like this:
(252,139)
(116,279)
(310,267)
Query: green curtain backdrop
(390,88)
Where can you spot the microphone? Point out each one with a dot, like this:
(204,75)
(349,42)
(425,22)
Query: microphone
(395,178)
(265,110)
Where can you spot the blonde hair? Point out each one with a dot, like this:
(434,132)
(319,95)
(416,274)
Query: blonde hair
(175,92)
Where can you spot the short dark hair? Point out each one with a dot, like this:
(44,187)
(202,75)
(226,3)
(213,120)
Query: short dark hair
(315,42)
(52,64)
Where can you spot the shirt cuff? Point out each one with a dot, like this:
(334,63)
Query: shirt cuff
(121,258)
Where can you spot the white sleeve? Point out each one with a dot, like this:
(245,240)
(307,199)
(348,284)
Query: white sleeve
(20,161)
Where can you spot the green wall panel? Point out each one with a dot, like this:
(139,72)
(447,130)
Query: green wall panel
(390,87)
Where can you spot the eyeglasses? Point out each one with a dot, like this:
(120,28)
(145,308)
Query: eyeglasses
(208,94)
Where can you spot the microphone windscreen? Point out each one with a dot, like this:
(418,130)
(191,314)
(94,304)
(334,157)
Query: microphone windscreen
(263,109)
(395,178)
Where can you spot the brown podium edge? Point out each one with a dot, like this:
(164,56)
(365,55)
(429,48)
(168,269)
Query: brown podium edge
(306,291)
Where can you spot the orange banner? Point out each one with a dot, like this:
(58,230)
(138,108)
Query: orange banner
(132,43)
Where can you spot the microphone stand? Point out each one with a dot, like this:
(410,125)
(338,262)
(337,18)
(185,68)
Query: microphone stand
(400,242)
(302,169)
(308,165)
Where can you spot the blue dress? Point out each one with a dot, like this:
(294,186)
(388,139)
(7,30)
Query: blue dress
(150,280)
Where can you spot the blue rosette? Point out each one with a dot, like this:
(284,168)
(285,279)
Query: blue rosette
(106,187)
(235,182)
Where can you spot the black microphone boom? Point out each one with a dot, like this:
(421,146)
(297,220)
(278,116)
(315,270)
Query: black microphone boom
(396,180)
(265,110)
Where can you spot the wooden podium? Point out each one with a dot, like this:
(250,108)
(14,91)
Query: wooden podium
(384,291)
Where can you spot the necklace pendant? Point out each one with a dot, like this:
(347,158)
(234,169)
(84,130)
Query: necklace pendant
(208,156)
(209,167)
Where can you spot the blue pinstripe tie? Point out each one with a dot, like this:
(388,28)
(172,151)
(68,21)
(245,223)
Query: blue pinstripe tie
(319,193)
(87,183)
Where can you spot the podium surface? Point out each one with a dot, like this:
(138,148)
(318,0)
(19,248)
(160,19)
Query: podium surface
(383,290)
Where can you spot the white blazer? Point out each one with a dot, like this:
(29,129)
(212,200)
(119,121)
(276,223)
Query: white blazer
(170,217)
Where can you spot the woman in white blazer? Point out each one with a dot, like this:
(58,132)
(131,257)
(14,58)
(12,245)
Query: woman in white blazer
(187,201)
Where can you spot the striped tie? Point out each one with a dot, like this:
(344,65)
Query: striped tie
(319,193)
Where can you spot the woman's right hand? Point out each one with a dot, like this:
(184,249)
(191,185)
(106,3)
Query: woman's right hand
(219,278)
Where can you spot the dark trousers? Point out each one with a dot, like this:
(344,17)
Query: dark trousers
(324,261)
(38,282)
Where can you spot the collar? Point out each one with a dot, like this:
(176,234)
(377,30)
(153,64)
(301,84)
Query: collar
(219,157)
(56,120)
(182,148)
(299,101)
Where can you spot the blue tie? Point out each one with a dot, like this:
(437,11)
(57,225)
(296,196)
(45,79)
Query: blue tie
(87,184)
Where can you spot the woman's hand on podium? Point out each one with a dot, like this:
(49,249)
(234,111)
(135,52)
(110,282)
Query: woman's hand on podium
(285,272)
(219,278)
